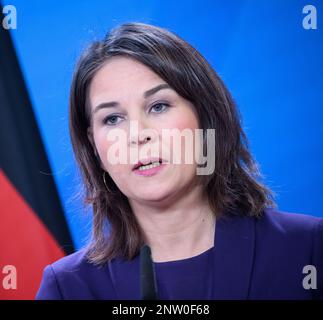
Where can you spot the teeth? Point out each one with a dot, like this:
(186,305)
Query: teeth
(149,166)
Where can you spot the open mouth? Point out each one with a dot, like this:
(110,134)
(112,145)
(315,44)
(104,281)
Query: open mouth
(149,165)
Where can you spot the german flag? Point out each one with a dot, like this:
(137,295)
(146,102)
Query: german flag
(33,230)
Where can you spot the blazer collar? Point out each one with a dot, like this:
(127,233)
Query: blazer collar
(233,261)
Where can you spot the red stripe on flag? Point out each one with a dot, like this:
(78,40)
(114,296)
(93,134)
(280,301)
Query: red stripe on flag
(25,243)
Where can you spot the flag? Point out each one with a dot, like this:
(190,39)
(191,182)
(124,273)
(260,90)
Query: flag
(33,230)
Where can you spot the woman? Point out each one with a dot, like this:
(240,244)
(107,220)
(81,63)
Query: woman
(213,234)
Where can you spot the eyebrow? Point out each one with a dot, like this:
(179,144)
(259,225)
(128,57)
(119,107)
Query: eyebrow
(147,94)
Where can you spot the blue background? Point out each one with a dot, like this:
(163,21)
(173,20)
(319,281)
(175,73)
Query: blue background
(270,63)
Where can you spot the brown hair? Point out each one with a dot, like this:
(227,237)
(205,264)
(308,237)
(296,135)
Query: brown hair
(234,186)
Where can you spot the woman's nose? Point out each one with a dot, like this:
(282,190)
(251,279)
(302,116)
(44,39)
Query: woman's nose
(140,133)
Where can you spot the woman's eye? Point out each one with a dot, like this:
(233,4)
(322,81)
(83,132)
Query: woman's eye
(112,120)
(159,107)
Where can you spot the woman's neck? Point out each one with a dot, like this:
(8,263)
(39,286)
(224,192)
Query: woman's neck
(178,231)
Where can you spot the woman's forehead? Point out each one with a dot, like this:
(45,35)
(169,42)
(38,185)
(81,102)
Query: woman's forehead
(119,77)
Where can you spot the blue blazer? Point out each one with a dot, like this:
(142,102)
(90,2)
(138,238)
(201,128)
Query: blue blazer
(254,258)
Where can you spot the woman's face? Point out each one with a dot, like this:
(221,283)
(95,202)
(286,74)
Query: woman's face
(123,94)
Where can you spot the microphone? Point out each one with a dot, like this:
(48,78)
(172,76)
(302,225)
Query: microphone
(147,275)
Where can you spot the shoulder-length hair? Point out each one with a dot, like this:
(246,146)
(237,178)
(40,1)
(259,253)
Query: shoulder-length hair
(235,185)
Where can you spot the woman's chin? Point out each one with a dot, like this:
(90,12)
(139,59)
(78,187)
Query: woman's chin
(151,195)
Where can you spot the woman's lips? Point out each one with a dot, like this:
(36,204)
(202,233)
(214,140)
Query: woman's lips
(147,161)
(151,171)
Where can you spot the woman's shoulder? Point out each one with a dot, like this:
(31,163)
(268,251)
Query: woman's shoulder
(293,235)
(289,222)
(282,246)
(72,262)
(74,277)
(274,223)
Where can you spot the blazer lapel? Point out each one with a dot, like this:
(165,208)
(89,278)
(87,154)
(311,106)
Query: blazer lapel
(233,257)
(125,276)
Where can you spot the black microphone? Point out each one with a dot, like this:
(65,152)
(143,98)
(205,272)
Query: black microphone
(147,275)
